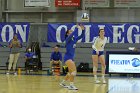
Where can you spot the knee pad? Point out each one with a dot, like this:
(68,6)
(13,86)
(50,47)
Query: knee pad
(94,68)
(68,74)
(74,73)
(103,67)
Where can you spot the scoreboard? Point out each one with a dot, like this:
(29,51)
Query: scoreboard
(95,3)
(126,3)
(37,3)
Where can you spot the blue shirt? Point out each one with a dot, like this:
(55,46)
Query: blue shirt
(71,41)
(56,56)
(29,54)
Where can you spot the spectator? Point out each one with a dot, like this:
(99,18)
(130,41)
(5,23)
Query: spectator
(56,58)
(15,46)
(28,57)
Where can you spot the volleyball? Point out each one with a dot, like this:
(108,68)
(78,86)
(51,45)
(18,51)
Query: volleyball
(85,17)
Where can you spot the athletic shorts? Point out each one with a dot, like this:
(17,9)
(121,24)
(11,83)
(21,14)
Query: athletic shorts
(66,57)
(100,53)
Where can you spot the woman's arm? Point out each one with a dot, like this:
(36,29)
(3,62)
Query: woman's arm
(10,44)
(105,41)
(81,36)
(83,32)
(71,35)
(94,43)
(18,44)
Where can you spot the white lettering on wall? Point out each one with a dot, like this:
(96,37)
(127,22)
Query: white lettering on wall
(58,33)
(118,34)
(22,32)
(5,29)
(129,33)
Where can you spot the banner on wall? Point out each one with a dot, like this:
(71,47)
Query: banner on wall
(126,3)
(115,33)
(124,63)
(69,3)
(7,31)
(95,3)
(37,3)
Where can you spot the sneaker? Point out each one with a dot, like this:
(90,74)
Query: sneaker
(104,82)
(97,81)
(63,85)
(7,73)
(72,88)
(28,71)
(15,73)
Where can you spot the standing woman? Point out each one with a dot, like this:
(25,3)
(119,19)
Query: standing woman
(98,55)
(71,41)
(15,46)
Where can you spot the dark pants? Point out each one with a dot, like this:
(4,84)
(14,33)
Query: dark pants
(28,61)
(31,64)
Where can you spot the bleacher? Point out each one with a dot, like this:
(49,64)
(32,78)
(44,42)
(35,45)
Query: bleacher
(83,53)
(4,55)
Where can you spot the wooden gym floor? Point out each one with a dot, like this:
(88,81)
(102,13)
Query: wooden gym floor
(50,84)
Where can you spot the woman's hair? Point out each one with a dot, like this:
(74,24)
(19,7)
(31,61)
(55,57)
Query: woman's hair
(15,34)
(66,35)
(100,30)
(57,46)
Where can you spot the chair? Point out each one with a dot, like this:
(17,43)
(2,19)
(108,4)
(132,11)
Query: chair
(56,69)
(31,65)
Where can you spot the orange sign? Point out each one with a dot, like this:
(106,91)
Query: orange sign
(70,3)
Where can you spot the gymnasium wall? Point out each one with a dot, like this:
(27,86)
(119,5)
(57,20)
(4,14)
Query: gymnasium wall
(19,13)
(39,17)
